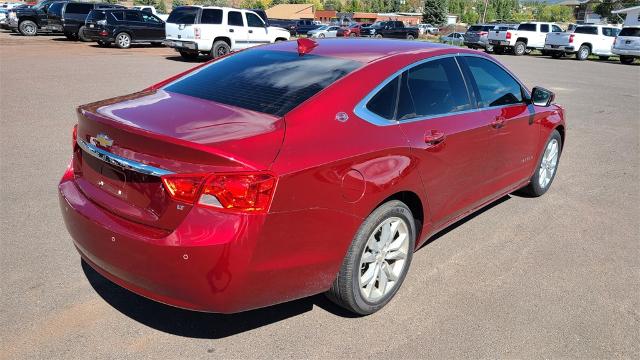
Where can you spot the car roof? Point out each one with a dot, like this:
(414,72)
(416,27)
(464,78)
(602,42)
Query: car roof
(364,49)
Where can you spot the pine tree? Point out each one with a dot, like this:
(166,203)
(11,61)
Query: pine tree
(435,12)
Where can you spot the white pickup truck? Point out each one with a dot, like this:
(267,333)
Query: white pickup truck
(523,39)
(584,40)
(215,31)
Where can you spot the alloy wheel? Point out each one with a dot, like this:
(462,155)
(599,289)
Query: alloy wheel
(29,29)
(123,40)
(549,163)
(384,258)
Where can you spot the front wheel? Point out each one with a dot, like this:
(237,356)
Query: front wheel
(626,59)
(28,28)
(520,48)
(123,40)
(377,260)
(547,166)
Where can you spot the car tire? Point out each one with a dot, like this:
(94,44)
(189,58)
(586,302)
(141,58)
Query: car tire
(626,59)
(103,43)
(321,35)
(498,50)
(547,167)
(410,37)
(520,48)
(378,36)
(603,58)
(378,257)
(583,53)
(190,56)
(123,40)
(352,35)
(488,48)
(219,48)
(557,54)
(81,35)
(28,28)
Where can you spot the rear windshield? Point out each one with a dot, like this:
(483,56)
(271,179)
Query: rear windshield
(629,32)
(272,82)
(96,15)
(475,28)
(183,15)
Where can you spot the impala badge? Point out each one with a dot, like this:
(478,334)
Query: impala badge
(102,139)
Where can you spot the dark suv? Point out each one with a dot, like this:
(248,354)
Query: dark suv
(71,17)
(31,20)
(124,27)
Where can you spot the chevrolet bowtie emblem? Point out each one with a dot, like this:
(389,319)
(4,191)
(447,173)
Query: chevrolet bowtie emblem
(103,140)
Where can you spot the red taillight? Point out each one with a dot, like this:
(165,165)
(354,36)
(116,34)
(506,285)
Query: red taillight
(483,33)
(571,38)
(196,32)
(245,192)
(74,136)
(104,33)
(508,35)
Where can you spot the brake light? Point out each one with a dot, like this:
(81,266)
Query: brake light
(196,32)
(74,136)
(243,192)
(508,36)
(571,38)
(483,33)
(104,33)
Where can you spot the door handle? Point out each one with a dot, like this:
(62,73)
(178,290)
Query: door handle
(230,30)
(250,31)
(434,137)
(498,122)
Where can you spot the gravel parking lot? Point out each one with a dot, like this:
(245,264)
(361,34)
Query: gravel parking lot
(556,276)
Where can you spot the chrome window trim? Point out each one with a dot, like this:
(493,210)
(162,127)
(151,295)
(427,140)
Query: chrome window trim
(120,161)
(365,114)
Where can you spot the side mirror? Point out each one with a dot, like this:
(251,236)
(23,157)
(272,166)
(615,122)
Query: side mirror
(542,97)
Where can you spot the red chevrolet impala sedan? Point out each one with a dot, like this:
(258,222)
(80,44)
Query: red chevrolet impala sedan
(293,169)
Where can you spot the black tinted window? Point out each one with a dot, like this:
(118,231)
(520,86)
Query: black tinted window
(150,18)
(433,88)
(211,16)
(629,32)
(527,27)
(78,8)
(96,15)
(556,28)
(254,20)
(592,30)
(132,16)
(544,28)
(272,82)
(383,103)
(183,15)
(613,32)
(56,9)
(118,15)
(235,19)
(493,85)
(475,28)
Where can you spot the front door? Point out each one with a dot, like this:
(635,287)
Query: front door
(153,26)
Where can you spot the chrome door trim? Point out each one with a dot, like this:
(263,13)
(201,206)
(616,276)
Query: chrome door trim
(120,161)
(365,114)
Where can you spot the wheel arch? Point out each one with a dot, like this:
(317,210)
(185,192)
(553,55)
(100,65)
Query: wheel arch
(560,129)
(222,38)
(523,39)
(588,45)
(414,203)
(280,39)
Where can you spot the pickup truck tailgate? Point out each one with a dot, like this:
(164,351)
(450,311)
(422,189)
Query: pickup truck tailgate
(557,38)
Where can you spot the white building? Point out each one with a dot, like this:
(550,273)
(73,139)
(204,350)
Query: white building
(633,15)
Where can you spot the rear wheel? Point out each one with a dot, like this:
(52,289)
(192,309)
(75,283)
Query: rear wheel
(28,28)
(189,55)
(123,40)
(547,166)
(410,37)
(626,59)
(583,53)
(378,36)
(377,260)
(520,48)
(81,35)
(220,48)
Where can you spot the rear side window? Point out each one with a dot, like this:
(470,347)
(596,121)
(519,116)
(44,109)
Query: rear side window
(96,15)
(591,30)
(433,88)
(235,18)
(544,28)
(211,16)
(527,27)
(78,8)
(56,9)
(612,32)
(253,20)
(183,15)
(383,103)
(272,82)
(556,28)
(132,16)
(630,32)
(493,85)
(118,15)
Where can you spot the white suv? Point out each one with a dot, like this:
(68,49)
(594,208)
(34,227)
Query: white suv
(627,44)
(215,31)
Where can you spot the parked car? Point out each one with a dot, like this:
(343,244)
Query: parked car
(152,10)
(526,37)
(583,41)
(304,26)
(427,29)
(477,36)
(191,192)
(454,38)
(289,25)
(392,29)
(324,31)
(11,20)
(30,20)
(215,31)
(352,30)
(627,44)
(70,17)
(124,27)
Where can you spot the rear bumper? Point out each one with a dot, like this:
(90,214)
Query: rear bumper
(478,43)
(181,45)
(499,43)
(213,261)
(562,48)
(95,35)
(627,52)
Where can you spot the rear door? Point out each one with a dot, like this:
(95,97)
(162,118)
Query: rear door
(513,132)
(238,31)
(257,32)
(436,114)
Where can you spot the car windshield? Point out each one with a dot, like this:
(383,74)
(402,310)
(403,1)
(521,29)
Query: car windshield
(183,15)
(630,32)
(272,82)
